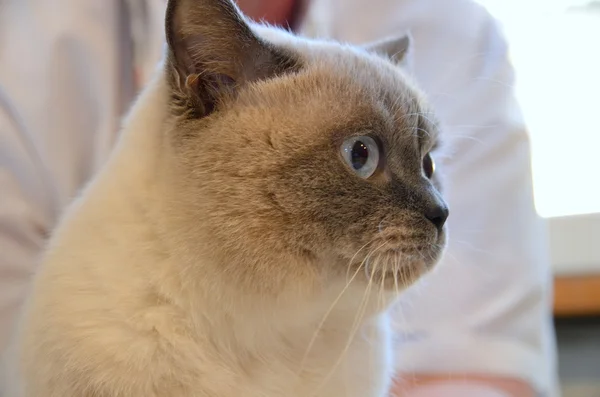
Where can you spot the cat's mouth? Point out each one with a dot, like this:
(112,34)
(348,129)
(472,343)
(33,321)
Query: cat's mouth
(396,266)
(399,268)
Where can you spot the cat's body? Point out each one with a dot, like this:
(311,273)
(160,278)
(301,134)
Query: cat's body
(138,325)
(232,264)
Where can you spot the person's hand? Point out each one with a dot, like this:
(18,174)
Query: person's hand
(460,386)
(455,390)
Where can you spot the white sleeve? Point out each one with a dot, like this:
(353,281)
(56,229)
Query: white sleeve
(23,221)
(57,113)
(487,308)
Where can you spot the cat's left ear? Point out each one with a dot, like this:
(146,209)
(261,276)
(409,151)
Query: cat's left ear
(213,52)
(396,48)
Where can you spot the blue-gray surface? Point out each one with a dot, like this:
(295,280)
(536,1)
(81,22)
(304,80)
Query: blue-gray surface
(579,356)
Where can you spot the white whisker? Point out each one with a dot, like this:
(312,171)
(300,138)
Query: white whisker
(333,305)
(355,326)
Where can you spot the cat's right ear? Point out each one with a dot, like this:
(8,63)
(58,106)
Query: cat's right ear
(212,52)
(396,48)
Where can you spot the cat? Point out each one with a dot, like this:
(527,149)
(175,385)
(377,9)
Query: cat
(268,198)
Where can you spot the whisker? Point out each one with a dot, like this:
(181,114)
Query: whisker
(422,114)
(424,131)
(356,254)
(381,297)
(356,324)
(333,305)
(470,246)
(357,319)
(396,271)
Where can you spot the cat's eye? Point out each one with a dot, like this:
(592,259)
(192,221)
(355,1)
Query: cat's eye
(428,165)
(361,154)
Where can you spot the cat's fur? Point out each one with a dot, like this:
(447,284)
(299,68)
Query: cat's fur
(226,249)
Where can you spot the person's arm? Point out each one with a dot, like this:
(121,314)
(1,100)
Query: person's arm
(467,385)
(487,310)
(58,111)
(23,219)
(488,305)
(482,319)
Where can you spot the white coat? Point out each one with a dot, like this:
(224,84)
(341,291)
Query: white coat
(67,75)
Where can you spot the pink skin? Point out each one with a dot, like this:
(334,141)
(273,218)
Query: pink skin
(276,12)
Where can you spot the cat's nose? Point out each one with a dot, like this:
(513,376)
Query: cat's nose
(437,214)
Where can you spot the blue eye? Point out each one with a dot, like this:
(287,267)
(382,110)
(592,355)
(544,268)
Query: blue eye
(361,154)
(428,165)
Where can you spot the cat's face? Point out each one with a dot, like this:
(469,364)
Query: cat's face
(298,159)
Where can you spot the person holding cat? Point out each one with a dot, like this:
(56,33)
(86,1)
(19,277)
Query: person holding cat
(477,326)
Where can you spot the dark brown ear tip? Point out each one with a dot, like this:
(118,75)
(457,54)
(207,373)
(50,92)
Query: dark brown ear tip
(174,16)
(212,42)
(169,17)
(396,47)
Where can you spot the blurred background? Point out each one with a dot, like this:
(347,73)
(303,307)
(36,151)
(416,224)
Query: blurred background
(555,48)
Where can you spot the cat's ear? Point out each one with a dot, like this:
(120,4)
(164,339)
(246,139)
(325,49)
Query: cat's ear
(396,48)
(212,51)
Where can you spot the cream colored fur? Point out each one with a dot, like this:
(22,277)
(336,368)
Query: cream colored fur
(136,298)
(135,329)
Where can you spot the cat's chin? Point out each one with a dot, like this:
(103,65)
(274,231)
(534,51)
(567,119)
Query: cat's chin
(395,269)
(399,275)
(396,278)
(397,256)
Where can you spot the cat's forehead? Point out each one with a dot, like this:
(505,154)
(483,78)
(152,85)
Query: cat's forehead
(346,87)
(360,66)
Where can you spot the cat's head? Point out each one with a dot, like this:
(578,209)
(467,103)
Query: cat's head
(296,159)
